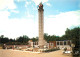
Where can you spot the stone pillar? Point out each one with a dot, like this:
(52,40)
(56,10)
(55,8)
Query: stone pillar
(32,44)
(48,45)
(59,45)
(63,43)
(41,26)
(66,42)
(52,45)
(59,42)
(56,44)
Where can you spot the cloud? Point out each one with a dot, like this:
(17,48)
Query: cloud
(53,24)
(34,8)
(18,27)
(38,1)
(28,15)
(57,24)
(7,4)
(27,3)
(4,15)
(14,11)
(13,28)
(48,4)
(20,0)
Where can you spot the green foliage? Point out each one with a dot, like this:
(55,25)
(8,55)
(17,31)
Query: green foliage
(3,39)
(11,40)
(50,50)
(51,38)
(73,34)
(23,39)
(70,34)
(34,39)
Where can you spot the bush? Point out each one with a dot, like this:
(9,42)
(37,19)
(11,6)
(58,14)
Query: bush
(50,50)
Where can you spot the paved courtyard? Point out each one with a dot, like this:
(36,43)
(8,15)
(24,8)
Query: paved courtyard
(14,53)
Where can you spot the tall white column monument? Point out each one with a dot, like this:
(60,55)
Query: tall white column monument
(41,25)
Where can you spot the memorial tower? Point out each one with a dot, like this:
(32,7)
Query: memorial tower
(41,41)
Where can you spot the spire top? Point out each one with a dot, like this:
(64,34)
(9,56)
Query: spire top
(40,6)
(40,3)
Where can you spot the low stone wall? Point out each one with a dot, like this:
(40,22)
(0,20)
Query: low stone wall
(63,46)
(16,46)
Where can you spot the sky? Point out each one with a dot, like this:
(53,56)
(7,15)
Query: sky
(20,17)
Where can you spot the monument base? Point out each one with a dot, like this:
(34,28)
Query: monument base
(41,46)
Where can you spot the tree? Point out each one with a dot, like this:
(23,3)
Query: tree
(3,39)
(23,39)
(46,37)
(50,38)
(74,35)
(11,40)
(34,39)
